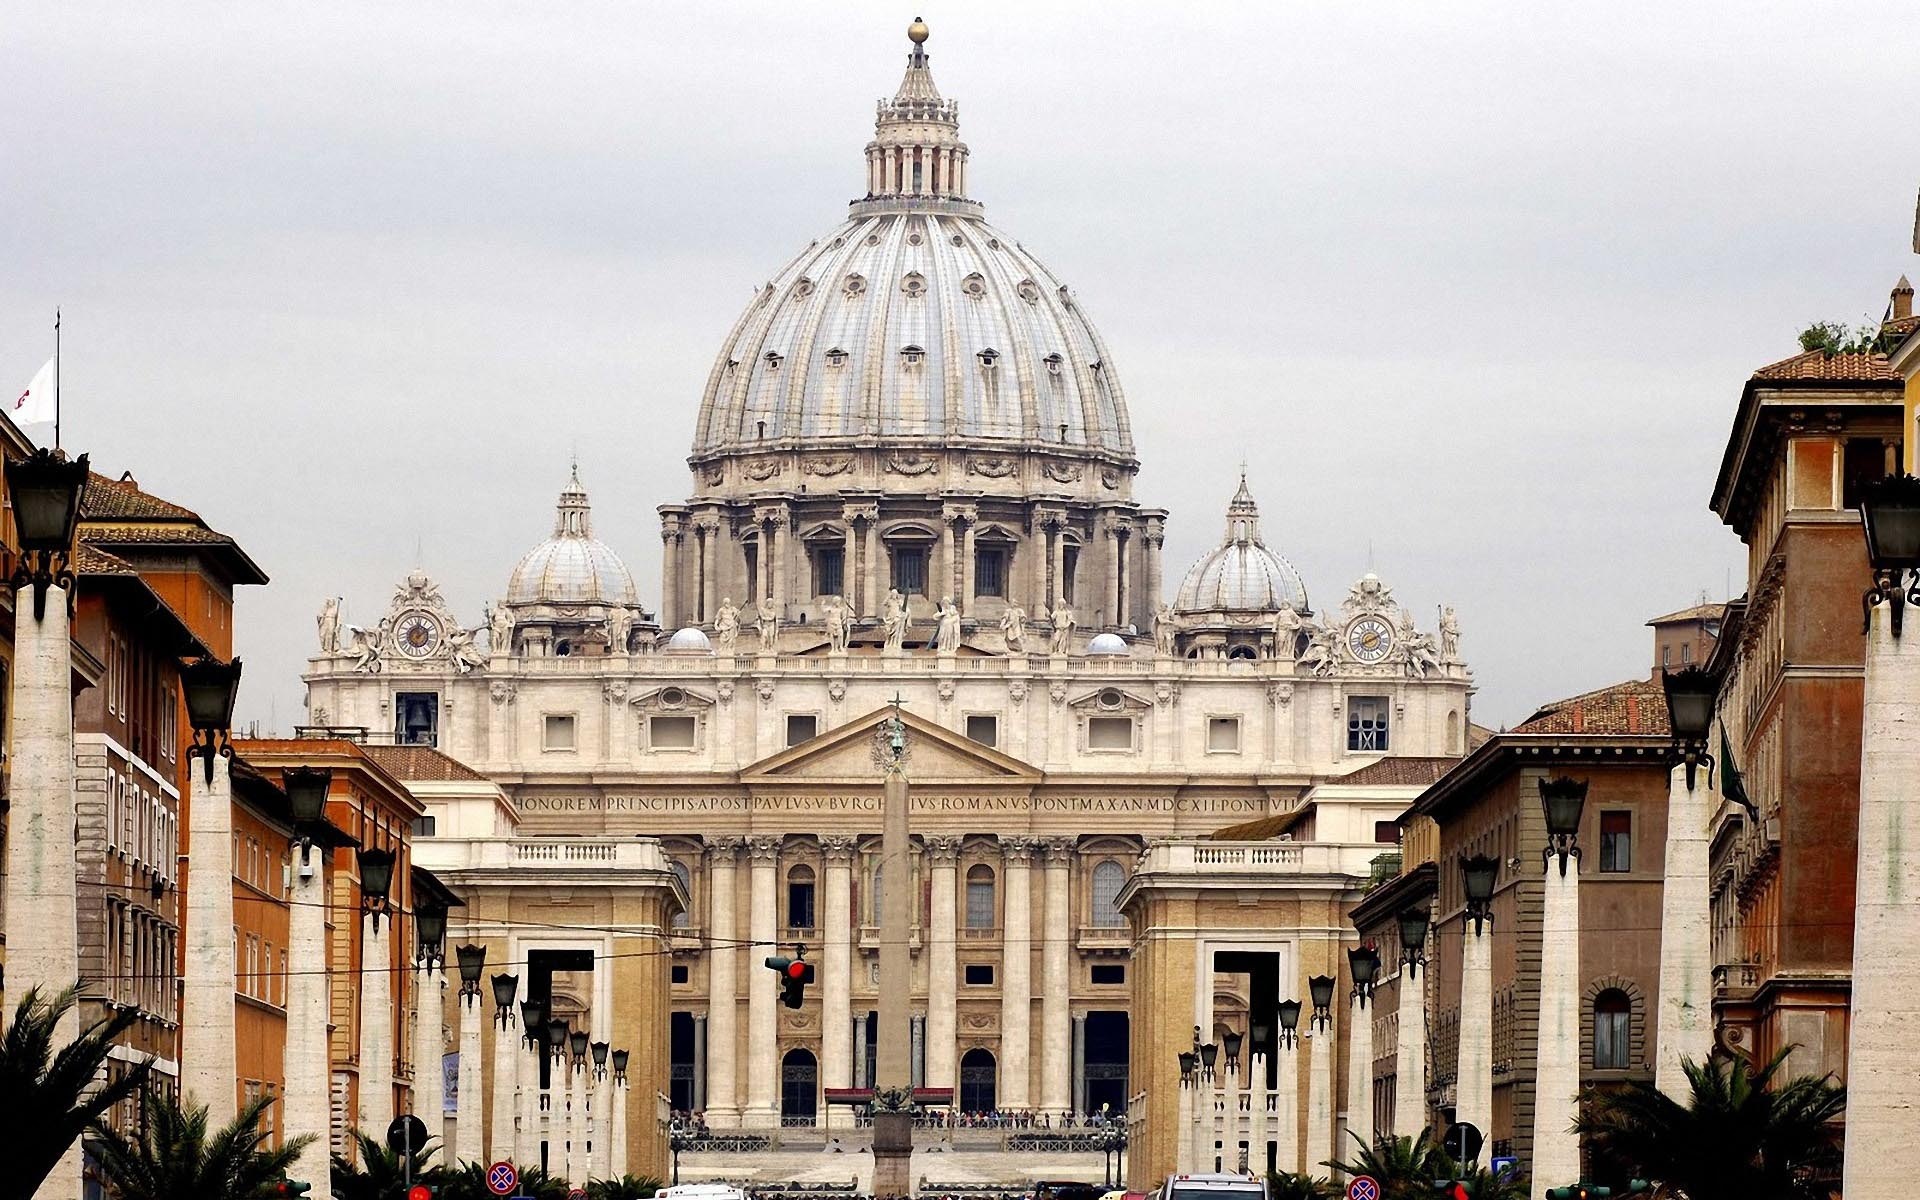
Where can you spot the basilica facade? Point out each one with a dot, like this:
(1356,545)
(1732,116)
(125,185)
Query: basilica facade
(912,482)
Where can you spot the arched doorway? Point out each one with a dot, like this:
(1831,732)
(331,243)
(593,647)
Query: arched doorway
(799,1088)
(977,1081)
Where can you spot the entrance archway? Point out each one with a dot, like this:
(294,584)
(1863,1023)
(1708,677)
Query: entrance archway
(799,1088)
(978,1079)
(1108,1044)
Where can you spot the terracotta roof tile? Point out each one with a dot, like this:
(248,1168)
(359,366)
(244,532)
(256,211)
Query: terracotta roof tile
(1819,366)
(421,764)
(1699,612)
(1635,708)
(122,500)
(153,535)
(1900,327)
(1402,772)
(93,561)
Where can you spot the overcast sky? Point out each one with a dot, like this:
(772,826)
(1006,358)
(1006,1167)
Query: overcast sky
(1473,287)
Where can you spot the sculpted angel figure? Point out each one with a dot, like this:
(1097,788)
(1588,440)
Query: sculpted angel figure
(461,650)
(619,631)
(946,636)
(1286,633)
(1322,654)
(500,629)
(726,624)
(1062,638)
(329,622)
(767,621)
(839,623)
(365,645)
(1013,627)
(1422,659)
(1449,635)
(1166,626)
(893,618)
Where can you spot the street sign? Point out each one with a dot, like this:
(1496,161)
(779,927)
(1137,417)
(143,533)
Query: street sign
(1463,1142)
(1363,1187)
(1505,1164)
(407,1134)
(502,1178)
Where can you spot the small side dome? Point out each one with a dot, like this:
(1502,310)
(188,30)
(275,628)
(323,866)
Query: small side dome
(1241,575)
(1110,645)
(689,641)
(572,567)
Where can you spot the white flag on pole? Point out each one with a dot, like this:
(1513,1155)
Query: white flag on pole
(34,404)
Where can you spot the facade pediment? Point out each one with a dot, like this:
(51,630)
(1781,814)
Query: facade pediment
(935,755)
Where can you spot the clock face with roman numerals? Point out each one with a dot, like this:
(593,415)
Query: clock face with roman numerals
(1369,639)
(417,635)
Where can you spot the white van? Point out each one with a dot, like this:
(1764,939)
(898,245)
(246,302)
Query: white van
(701,1191)
(1213,1187)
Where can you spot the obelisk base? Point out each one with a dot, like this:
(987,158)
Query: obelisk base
(892,1155)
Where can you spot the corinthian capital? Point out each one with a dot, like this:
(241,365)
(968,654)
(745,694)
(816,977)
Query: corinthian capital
(763,849)
(837,849)
(943,851)
(1017,850)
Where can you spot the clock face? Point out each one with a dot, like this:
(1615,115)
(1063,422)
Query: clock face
(417,635)
(1369,639)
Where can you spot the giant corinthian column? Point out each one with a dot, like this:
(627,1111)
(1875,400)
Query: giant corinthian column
(836,969)
(943,968)
(723,960)
(763,989)
(1056,1017)
(1016,975)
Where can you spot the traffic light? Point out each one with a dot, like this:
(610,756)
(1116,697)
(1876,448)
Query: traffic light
(1580,1191)
(291,1187)
(421,1191)
(795,975)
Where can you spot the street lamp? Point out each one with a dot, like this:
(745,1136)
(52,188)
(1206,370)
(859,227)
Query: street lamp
(210,687)
(1363,963)
(505,989)
(578,1041)
(1562,799)
(1690,696)
(1289,1022)
(557,1039)
(1231,1044)
(376,880)
(1413,924)
(45,491)
(533,1018)
(1189,1064)
(600,1060)
(1890,517)
(429,932)
(307,789)
(1477,878)
(1320,991)
(473,960)
(1209,1053)
(620,1067)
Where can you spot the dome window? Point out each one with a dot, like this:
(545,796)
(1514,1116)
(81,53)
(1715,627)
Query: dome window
(773,360)
(914,285)
(974,285)
(836,357)
(910,356)
(989,359)
(855,285)
(1054,363)
(803,288)
(1029,291)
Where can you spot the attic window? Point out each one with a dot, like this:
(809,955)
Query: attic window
(974,285)
(804,287)
(913,285)
(773,360)
(1054,363)
(836,357)
(855,285)
(989,359)
(910,356)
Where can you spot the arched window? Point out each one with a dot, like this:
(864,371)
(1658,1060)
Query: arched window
(800,897)
(1612,1030)
(684,918)
(977,1077)
(980,896)
(1108,878)
(1453,734)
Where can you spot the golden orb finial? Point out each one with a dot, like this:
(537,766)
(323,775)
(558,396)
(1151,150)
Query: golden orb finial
(917,32)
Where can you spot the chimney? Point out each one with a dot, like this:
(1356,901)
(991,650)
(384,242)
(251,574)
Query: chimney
(1902,299)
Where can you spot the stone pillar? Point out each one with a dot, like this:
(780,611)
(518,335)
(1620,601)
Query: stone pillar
(1286,1109)
(670,610)
(1184,1124)
(860,1077)
(943,969)
(893,1070)
(1057,577)
(606,1130)
(723,958)
(763,990)
(1056,1032)
(1079,1101)
(1883,1153)
(376,1023)
(526,1107)
(875,563)
(918,1037)
(1229,1095)
(1257,1099)
(577,1164)
(207,1064)
(1410,1067)
(710,569)
(699,1065)
(1556,1151)
(1152,568)
(309,1004)
(1473,1087)
(42,879)
(947,567)
(1033,559)
(506,1085)
(836,968)
(1685,1029)
(469,1135)
(849,563)
(428,1012)
(1319,1135)
(1016,974)
(618,1149)
(1110,597)
(967,563)
(1360,1071)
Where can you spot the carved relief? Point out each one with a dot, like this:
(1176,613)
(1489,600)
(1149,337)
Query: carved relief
(1063,472)
(837,690)
(946,691)
(1280,694)
(827,465)
(900,463)
(762,468)
(1017,690)
(501,691)
(1110,478)
(992,466)
(1058,691)
(614,691)
(979,1020)
(713,473)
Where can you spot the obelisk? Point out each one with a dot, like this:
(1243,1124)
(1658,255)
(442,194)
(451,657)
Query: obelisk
(893,1078)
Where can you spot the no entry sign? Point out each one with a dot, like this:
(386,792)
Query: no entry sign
(1363,1187)
(502,1178)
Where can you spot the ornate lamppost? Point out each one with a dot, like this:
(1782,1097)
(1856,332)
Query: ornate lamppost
(533,1031)
(469,1137)
(207,1057)
(1286,1106)
(577,1165)
(1410,1083)
(376,989)
(1556,1151)
(1685,1025)
(602,1103)
(306,1054)
(1473,1086)
(1319,1138)
(1363,964)
(617,1136)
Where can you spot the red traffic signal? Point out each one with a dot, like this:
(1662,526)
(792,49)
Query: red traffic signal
(799,970)
(419,1191)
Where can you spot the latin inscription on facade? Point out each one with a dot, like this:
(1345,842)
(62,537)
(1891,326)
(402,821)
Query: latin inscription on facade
(927,803)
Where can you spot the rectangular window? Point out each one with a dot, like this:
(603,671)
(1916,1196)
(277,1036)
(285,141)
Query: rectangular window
(1387,833)
(751,551)
(1367,723)
(1223,735)
(423,826)
(979,974)
(983,728)
(801,727)
(1109,974)
(910,570)
(1863,461)
(416,718)
(1686,653)
(990,571)
(1069,567)
(679,974)
(1616,841)
(1109,733)
(800,904)
(828,568)
(559,732)
(670,733)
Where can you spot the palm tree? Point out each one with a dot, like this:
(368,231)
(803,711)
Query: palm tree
(1737,1136)
(176,1158)
(627,1187)
(1405,1168)
(45,1095)
(1284,1185)
(380,1175)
